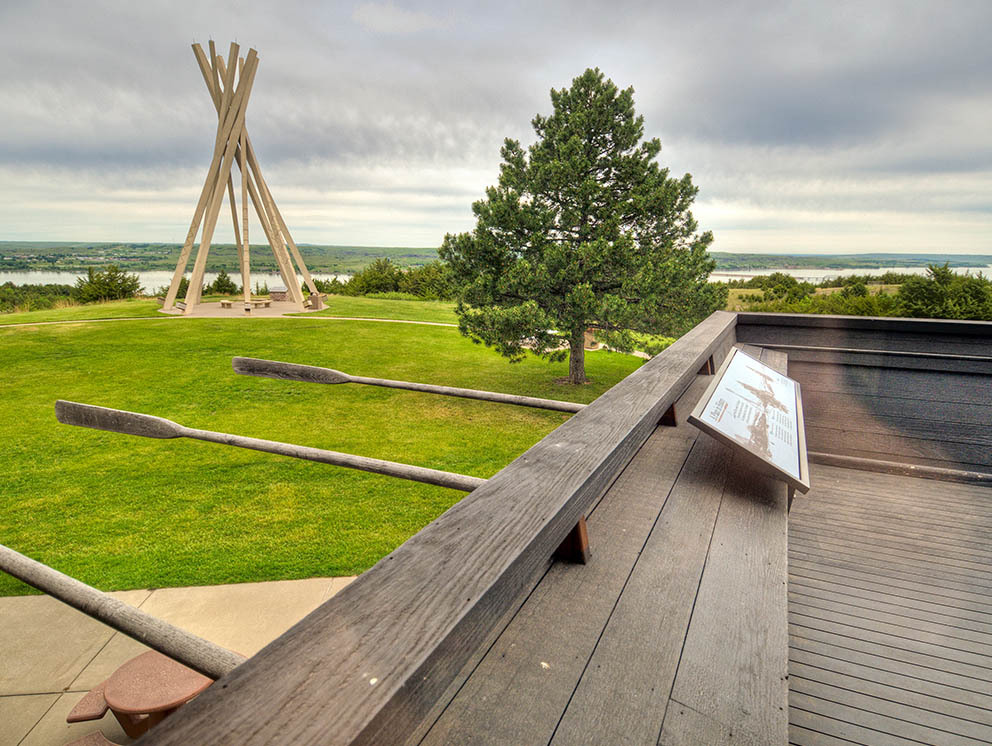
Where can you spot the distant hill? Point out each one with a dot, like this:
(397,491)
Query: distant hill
(726,261)
(70,256)
(75,256)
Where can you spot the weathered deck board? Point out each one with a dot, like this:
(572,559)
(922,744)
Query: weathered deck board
(890,611)
(911,609)
(744,581)
(579,599)
(372,662)
(623,696)
(910,335)
(636,646)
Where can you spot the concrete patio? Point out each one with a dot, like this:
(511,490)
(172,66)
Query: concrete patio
(51,654)
(214,310)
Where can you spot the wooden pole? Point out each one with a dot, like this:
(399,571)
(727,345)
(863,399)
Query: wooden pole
(249,366)
(199,654)
(234,122)
(246,174)
(234,217)
(149,426)
(279,229)
(246,244)
(205,196)
(276,243)
(280,225)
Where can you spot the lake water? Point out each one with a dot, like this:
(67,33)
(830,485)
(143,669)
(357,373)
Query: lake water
(150,281)
(819,275)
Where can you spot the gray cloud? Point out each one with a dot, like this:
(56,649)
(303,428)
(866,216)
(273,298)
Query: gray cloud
(379,122)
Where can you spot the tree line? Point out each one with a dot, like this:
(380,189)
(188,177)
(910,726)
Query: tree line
(940,294)
(96,287)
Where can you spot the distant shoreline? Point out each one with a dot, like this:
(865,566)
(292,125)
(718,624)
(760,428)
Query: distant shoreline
(74,257)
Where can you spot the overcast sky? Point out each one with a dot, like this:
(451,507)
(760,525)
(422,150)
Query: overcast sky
(812,127)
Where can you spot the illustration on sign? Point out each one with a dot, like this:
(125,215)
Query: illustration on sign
(756,406)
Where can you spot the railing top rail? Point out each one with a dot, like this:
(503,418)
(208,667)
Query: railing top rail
(876,323)
(367,665)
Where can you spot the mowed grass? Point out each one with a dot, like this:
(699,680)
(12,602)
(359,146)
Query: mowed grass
(385,308)
(118,309)
(120,512)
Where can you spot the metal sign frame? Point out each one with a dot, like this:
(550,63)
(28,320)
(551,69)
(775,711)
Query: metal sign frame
(760,461)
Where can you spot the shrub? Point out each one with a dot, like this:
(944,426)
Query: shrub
(110,284)
(223,285)
(942,294)
(33,297)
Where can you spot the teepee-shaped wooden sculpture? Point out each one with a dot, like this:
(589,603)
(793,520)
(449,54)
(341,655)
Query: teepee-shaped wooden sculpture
(229,86)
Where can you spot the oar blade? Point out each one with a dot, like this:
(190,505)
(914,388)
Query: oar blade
(116,420)
(251,366)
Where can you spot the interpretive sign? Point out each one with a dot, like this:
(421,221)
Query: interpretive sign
(756,408)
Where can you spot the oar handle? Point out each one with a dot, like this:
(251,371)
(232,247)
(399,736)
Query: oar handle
(148,426)
(361,463)
(199,654)
(493,396)
(251,366)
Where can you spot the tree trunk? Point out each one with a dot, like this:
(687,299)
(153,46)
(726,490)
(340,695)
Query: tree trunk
(577,357)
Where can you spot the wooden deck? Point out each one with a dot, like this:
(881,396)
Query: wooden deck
(678,630)
(890,611)
(637,646)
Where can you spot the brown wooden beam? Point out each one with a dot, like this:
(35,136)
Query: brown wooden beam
(575,546)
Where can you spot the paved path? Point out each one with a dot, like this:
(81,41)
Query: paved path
(282,316)
(51,654)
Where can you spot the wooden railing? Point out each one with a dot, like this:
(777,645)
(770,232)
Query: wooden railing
(367,665)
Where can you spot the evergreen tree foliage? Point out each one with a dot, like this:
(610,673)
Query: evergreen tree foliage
(944,294)
(109,284)
(382,276)
(583,230)
(223,285)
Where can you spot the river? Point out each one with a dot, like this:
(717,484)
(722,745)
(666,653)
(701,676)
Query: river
(150,281)
(153,281)
(819,275)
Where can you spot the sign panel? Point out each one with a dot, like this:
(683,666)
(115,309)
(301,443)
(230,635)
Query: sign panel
(757,408)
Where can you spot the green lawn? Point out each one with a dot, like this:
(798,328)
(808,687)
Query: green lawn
(123,512)
(133,307)
(384,308)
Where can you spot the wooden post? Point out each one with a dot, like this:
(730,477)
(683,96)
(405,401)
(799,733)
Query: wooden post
(245,174)
(233,144)
(272,217)
(575,546)
(233,124)
(205,197)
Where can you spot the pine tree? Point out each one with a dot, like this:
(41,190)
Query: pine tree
(583,230)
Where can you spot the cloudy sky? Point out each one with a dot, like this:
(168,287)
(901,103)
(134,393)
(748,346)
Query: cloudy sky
(812,127)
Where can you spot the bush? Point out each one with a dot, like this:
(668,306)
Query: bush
(33,297)
(430,282)
(110,284)
(382,276)
(942,294)
(223,285)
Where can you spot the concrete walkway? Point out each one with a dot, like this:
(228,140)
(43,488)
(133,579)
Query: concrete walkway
(237,310)
(51,654)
